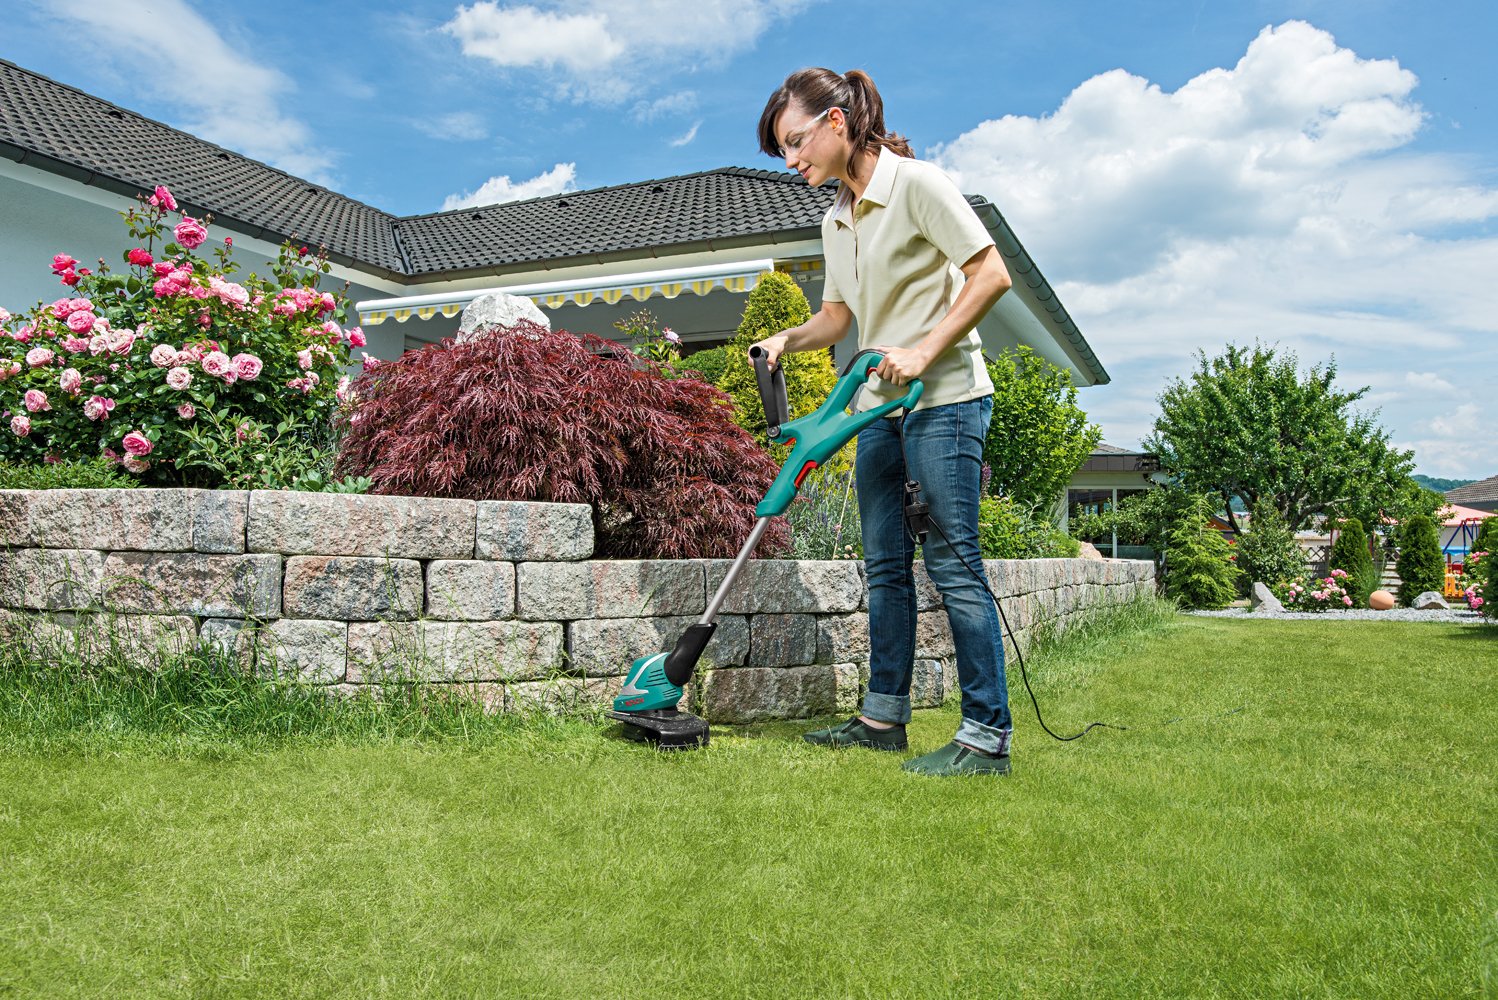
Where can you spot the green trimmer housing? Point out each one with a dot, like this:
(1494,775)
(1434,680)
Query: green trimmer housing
(647,702)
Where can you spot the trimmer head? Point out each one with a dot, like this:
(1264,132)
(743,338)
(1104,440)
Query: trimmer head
(667,728)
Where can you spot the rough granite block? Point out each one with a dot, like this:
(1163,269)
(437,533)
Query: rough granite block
(784,586)
(351,588)
(50,579)
(843,638)
(755,694)
(100,637)
(849,683)
(927,684)
(315,652)
(134,519)
(782,640)
(470,590)
(933,635)
(218,520)
(609,646)
(454,651)
(192,583)
(340,524)
(526,531)
(609,589)
(561,695)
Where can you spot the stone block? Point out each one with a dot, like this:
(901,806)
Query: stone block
(193,583)
(351,588)
(933,635)
(99,637)
(782,640)
(342,524)
(562,695)
(51,579)
(525,531)
(470,590)
(927,597)
(140,520)
(789,586)
(757,694)
(843,638)
(927,684)
(218,520)
(609,589)
(300,649)
(454,651)
(849,683)
(609,646)
(1430,600)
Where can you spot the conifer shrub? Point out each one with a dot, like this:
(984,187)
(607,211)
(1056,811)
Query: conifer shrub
(526,413)
(775,304)
(1199,570)
(1421,565)
(1487,536)
(1490,583)
(1268,552)
(1350,553)
(708,364)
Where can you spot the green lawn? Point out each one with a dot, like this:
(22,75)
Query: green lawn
(1299,809)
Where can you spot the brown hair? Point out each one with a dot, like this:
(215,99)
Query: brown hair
(817,89)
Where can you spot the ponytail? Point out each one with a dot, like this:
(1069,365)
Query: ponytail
(818,89)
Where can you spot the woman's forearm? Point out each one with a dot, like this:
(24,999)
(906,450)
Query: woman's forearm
(828,326)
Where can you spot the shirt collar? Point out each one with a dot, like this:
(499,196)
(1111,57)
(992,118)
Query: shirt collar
(880,186)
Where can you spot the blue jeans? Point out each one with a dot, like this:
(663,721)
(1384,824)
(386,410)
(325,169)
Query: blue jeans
(945,447)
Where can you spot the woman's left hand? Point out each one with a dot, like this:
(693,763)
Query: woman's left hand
(901,364)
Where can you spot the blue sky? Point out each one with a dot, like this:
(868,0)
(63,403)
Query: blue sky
(1319,174)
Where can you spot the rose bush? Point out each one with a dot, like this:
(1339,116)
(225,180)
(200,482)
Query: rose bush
(129,364)
(1328,593)
(1475,574)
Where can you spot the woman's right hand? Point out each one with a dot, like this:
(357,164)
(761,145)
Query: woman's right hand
(773,347)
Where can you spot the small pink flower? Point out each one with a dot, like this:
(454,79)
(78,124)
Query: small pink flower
(4,315)
(186,411)
(135,465)
(242,432)
(217,363)
(137,444)
(70,381)
(20,425)
(304,359)
(246,366)
(1347,601)
(326,302)
(35,401)
(9,368)
(190,232)
(356,337)
(343,393)
(179,378)
(69,278)
(38,356)
(80,322)
(122,341)
(75,345)
(163,199)
(98,408)
(163,356)
(162,268)
(671,335)
(62,262)
(140,257)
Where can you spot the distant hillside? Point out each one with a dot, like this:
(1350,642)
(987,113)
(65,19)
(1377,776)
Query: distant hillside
(1441,485)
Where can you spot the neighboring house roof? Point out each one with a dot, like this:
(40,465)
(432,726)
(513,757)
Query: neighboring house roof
(63,130)
(1111,458)
(1484,491)
(1454,514)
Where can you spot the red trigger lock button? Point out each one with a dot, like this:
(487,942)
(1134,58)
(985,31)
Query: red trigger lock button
(804,470)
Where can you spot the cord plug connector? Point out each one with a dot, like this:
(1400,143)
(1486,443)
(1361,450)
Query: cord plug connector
(917,512)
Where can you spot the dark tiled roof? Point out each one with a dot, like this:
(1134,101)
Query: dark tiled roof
(1484,491)
(1104,448)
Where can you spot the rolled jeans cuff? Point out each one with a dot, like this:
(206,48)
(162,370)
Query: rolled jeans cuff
(985,738)
(891,708)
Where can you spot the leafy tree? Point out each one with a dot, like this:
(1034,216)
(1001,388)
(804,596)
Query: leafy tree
(1350,553)
(1421,565)
(1268,553)
(1199,570)
(1039,436)
(1248,425)
(1487,535)
(1490,583)
(1008,531)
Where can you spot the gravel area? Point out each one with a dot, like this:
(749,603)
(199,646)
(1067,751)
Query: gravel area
(1460,615)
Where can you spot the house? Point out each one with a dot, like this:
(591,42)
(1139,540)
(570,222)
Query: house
(1107,476)
(1481,495)
(689,247)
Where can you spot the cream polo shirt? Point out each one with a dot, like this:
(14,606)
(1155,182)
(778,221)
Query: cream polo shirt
(895,258)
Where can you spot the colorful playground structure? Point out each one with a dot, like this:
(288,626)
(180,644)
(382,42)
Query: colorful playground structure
(1459,529)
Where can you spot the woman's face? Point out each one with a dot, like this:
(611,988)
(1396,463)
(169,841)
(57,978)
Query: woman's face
(813,142)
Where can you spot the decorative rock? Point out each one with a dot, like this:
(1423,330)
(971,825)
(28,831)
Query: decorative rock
(498,309)
(454,651)
(51,579)
(1380,600)
(342,524)
(933,636)
(1263,598)
(352,588)
(754,694)
(609,646)
(193,583)
(470,590)
(1089,551)
(1430,601)
(315,652)
(782,640)
(784,586)
(533,532)
(143,519)
(609,589)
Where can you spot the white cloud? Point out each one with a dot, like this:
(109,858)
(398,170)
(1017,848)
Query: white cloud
(688,136)
(1284,199)
(608,51)
(680,103)
(498,189)
(217,91)
(462,125)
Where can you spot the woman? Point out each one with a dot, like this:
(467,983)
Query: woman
(893,242)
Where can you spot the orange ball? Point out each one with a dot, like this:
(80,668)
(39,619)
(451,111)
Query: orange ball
(1380,600)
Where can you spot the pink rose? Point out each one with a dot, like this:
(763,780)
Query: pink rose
(70,381)
(247,366)
(35,401)
(342,392)
(162,268)
(140,257)
(163,356)
(38,356)
(122,341)
(69,278)
(217,363)
(20,425)
(356,337)
(228,292)
(98,408)
(62,262)
(75,345)
(187,411)
(137,444)
(23,335)
(179,378)
(304,359)
(4,315)
(163,199)
(190,232)
(135,465)
(80,322)
(9,368)
(242,432)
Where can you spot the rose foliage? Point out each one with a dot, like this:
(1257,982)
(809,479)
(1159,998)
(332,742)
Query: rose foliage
(526,413)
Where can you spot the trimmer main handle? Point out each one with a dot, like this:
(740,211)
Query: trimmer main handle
(771,390)
(821,434)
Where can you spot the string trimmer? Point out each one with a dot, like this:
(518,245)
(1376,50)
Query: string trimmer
(653,687)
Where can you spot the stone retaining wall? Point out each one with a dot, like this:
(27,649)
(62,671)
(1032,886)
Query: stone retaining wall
(500,599)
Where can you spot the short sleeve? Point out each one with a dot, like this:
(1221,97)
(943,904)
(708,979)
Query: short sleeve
(830,291)
(944,217)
